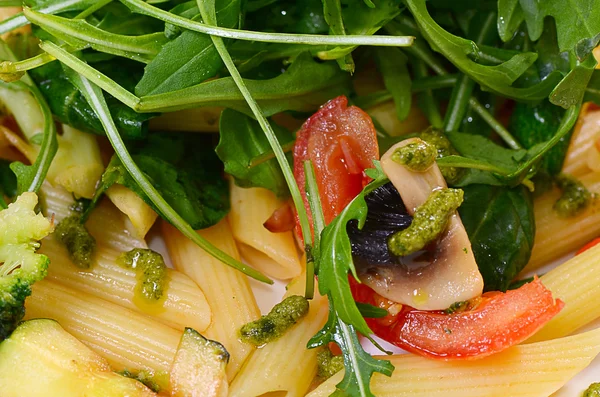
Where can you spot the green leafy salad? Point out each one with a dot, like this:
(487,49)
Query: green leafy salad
(184,96)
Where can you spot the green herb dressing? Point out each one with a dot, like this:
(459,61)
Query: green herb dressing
(78,241)
(152,279)
(273,325)
(418,156)
(444,148)
(429,221)
(592,391)
(328,364)
(575,196)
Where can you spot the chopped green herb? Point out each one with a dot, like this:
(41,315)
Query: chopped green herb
(328,364)
(418,156)
(575,196)
(151,271)
(78,241)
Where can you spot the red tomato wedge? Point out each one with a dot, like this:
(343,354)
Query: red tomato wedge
(589,245)
(341,142)
(497,321)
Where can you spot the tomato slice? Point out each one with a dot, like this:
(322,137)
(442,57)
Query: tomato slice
(589,245)
(341,142)
(497,321)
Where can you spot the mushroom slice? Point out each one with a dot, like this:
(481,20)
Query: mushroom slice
(447,273)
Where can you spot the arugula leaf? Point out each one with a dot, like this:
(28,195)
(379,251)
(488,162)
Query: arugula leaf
(576,20)
(70,107)
(501,232)
(241,140)
(391,63)
(190,58)
(305,86)
(570,91)
(510,17)
(332,10)
(116,18)
(359,365)
(185,171)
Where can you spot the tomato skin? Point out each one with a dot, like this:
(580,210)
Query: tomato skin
(498,321)
(341,142)
(589,245)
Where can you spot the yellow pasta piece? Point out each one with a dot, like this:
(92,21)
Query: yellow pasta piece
(586,132)
(141,215)
(534,370)
(184,304)
(128,340)
(556,236)
(227,290)
(274,254)
(575,282)
(285,365)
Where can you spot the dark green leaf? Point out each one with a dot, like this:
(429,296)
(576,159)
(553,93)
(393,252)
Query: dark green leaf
(501,231)
(241,140)
(8,182)
(70,107)
(184,169)
(189,59)
(570,91)
(510,17)
(392,66)
(592,91)
(304,87)
(289,16)
(118,19)
(370,311)
(332,10)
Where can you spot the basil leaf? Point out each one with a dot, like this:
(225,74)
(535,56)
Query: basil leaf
(501,231)
(70,107)
(241,140)
(186,172)
(190,58)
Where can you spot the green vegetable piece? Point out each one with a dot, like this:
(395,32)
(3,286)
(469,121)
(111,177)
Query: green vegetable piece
(429,221)
(416,156)
(20,266)
(592,391)
(151,272)
(457,307)
(155,381)
(273,325)
(575,197)
(444,148)
(501,231)
(78,241)
(328,364)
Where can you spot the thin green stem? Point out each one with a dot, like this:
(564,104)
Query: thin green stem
(92,9)
(209,16)
(141,7)
(495,124)
(266,156)
(314,201)
(459,103)
(95,98)
(426,98)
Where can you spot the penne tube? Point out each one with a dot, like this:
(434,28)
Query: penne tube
(284,365)
(273,254)
(141,215)
(575,282)
(128,340)
(184,304)
(586,133)
(227,290)
(556,236)
(533,370)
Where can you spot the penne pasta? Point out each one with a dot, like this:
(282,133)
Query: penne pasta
(586,133)
(534,370)
(227,290)
(274,254)
(128,340)
(141,215)
(284,365)
(556,236)
(184,304)
(575,282)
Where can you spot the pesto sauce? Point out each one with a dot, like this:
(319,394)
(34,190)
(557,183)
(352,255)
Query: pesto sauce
(273,325)
(444,148)
(429,221)
(417,156)
(328,364)
(575,196)
(592,391)
(79,242)
(151,271)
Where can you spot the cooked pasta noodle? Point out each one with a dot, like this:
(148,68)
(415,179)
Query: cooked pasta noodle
(534,370)
(557,236)
(285,365)
(274,254)
(227,290)
(128,340)
(140,214)
(586,132)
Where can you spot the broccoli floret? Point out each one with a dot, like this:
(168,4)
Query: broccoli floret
(21,229)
